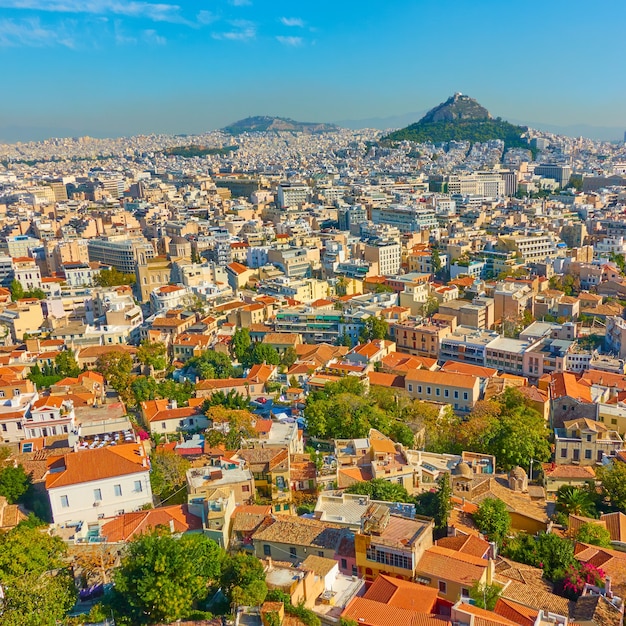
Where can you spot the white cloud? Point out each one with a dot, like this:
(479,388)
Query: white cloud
(243,30)
(206,17)
(32,34)
(151,36)
(290,41)
(157,12)
(292,21)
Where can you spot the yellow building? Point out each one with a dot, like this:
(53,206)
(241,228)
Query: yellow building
(390,544)
(453,573)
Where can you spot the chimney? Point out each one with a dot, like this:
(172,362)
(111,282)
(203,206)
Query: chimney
(607,587)
(172,529)
(173,404)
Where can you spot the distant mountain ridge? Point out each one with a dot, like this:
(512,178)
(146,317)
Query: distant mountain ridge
(267,123)
(461,118)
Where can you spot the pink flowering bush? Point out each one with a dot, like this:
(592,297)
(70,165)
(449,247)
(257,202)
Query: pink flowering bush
(579,575)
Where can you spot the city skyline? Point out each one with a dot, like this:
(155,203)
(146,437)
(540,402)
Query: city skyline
(112,68)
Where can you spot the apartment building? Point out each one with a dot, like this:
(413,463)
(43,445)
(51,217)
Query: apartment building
(419,339)
(585,442)
(461,391)
(466,345)
(479,313)
(123,254)
(507,355)
(387,254)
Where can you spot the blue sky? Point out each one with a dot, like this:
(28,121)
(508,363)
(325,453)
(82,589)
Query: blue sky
(114,67)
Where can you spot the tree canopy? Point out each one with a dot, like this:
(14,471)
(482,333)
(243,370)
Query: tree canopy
(114,278)
(117,367)
(34,575)
(493,520)
(163,579)
(613,480)
(595,534)
(152,354)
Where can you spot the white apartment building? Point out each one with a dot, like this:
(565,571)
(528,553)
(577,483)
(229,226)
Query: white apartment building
(92,484)
(294,194)
(533,248)
(27,273)
(168,297)
(388,255)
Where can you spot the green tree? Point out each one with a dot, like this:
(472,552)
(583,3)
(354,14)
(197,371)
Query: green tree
(485,596)
(66,365)
(17,291)
(240,343)
(230,400)
(443,504)
(152,354)
(595,534)
(555,555)
(162,579)
(168,474)
(373,328)
(574,501)
(260,353)
(116,367)
(14,483)
(289,357)
(521,433)
(344,340)
(435,260)
(613,479)
(34,575)
(401,433)
(113,278)
(211,364)
(379,489)
(243,580)
(493,520)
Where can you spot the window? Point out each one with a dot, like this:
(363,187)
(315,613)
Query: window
(354,570)
(97,495)
(344,564)
(443,587)
(419,389)
(320,553)
(267,550)
(65,503)
(410,387)
(464,592)
(163,425)
(446,393)
(587,454)
(292,552)
(437,391)
(465,396)
(245,488)
(27,447)
(4,428)
(117,490)
(563,453)
(428,390)
(138,486)
(589,438)
(456,395)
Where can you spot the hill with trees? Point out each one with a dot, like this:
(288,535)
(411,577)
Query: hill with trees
(266,123)
(461,118)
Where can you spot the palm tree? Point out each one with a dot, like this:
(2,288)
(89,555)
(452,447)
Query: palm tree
(574,501)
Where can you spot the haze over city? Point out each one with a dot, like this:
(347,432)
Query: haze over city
(111,68)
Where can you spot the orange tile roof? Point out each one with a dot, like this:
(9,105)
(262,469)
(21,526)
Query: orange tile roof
(126,526)
(442,378)
(483,617)
(89,465)
(447,564)
(516,612)
(402,594)
(468,368)
(565,384)
(386,380)
(371,613)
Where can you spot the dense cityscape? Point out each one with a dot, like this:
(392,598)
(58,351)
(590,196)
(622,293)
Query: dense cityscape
(287,373)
